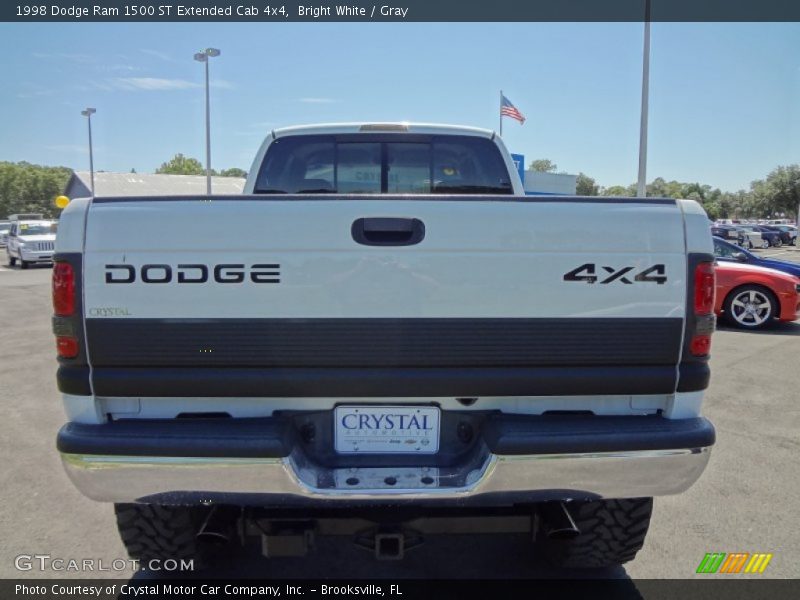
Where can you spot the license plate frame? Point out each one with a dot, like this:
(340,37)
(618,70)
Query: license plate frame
(365,429)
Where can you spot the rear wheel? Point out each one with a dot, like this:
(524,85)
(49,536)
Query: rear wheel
(750,306)
(157,532)
(611,533)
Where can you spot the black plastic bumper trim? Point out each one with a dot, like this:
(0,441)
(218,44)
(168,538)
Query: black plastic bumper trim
(381,382)
(522,435)
(504,435)
(74,379)
(232,438)
(693,377)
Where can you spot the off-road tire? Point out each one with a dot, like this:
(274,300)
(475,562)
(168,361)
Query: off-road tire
(153,531)
(612,532)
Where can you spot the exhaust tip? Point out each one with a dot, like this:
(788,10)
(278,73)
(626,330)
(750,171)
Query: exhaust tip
(219,526)
(214,537)
(557,523)
(563,534)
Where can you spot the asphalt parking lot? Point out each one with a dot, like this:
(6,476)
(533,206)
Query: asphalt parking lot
(747,501)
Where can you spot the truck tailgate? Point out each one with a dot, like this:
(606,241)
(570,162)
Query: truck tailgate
(266,296)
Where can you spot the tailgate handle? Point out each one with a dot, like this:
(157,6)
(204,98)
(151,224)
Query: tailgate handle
(388,231)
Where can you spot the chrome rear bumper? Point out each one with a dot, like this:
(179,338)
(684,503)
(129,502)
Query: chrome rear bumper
(178,480)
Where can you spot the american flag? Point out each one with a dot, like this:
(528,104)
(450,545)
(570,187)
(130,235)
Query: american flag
(509,110)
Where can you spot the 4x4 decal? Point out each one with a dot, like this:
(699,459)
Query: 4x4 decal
(588,273)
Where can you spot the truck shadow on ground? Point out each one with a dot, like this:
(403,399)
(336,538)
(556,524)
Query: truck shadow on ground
(442,557)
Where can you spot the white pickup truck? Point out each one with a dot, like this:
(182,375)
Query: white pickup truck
(388,329)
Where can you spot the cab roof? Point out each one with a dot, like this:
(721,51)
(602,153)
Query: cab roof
(387,127)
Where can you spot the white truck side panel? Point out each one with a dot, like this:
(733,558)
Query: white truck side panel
(71,226)
(698,235)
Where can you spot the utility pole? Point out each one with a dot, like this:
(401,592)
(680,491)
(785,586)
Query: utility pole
(88,114)
(204,57)
(641,185)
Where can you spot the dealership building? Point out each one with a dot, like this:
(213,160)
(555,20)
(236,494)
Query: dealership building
(109,184)
(538,183)
(145,184)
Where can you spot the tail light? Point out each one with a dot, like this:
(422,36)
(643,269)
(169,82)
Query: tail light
(700,345)
(704,290)
(704,287)
(63,289)
(67,346)
(64,307)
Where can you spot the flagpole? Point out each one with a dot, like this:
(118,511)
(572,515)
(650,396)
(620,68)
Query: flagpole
(501,113)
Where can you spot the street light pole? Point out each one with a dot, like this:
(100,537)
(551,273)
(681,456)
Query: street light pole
(88,114)
(641,185)
(204,57)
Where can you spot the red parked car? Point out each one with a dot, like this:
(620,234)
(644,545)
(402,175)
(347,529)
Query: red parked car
(751,297)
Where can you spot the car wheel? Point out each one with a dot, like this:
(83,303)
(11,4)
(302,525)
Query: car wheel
(778,242)
(23,264)
(750,307)
(765,244)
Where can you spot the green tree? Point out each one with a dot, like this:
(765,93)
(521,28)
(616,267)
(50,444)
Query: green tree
(619,190)
(777,194)
(660,188)
(760,195)
(543,165)
(713,209)
(181,165)
(782,193)
(586,186)
(233,172)
(25,187)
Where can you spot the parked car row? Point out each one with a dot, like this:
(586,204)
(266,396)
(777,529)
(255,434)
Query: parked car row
(752,291)
(756,236)
(5,227)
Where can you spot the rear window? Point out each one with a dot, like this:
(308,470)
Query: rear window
(364,165)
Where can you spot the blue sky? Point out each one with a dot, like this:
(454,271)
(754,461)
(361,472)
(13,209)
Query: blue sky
(725,98)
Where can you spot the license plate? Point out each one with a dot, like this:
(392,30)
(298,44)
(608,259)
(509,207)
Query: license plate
(386,429)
